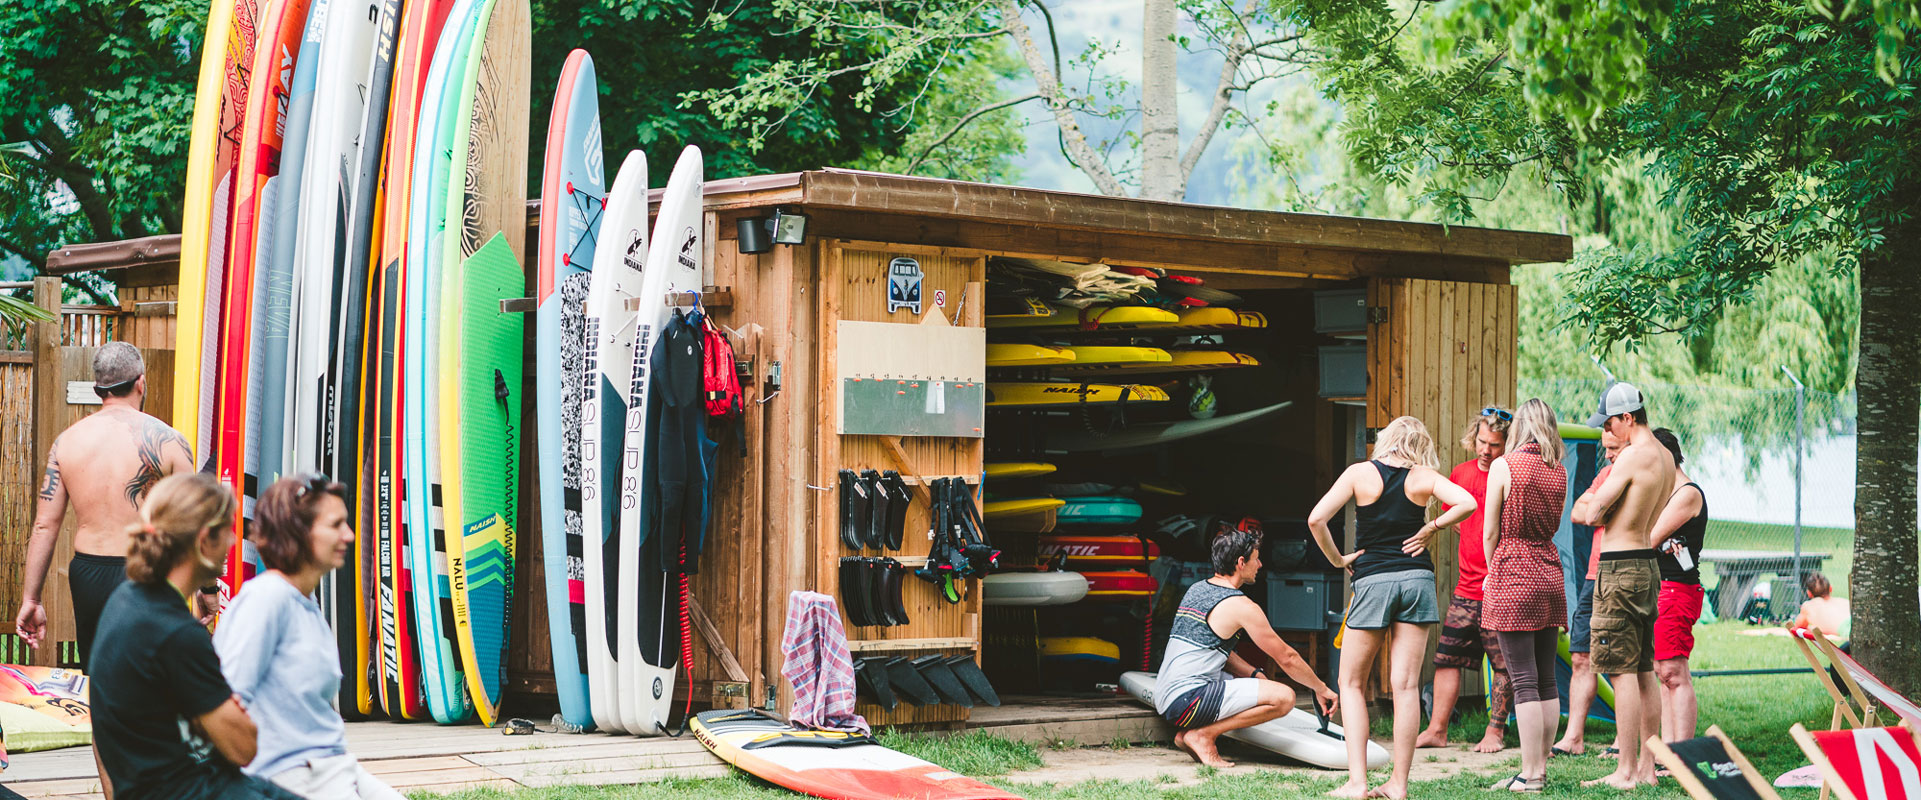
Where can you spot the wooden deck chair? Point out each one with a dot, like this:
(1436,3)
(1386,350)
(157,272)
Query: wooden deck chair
(1850,702)
(1866,763)
(1712,768)
(1868,689)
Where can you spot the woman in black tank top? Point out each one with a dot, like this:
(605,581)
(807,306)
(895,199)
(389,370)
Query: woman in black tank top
(1393,584)
(1678,535)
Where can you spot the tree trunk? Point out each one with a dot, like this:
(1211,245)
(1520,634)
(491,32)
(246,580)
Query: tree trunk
(1887,614)
(1160,104)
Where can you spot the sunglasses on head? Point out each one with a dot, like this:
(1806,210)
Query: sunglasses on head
(1500,413)
(310,483)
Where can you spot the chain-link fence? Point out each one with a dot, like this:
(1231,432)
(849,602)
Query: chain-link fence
(1777,469)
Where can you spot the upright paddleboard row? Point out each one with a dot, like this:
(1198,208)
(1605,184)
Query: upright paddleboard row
(354,212)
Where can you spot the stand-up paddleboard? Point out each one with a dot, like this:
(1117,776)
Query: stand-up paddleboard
(1010,470)
(1297,736)
(1100,511)
(326,198)
(481,345)
(275,277)
(1118,586)
(649,653)
(350,349)
(1053,588)
(1096,552)
(1114,355)
(278,38)
(400,691)
(996,510)
(442,682)
(1213,318)
(572,198)
(829,764)
(1096,318)
(212,153)
(1009,394)
(1155,434)
(1027,355)
(1061,651)
(1177,361)
(620,255)
(211,157)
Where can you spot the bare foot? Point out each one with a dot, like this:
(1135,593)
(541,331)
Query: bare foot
(1431,738)
(1492,742)
(1389,790)
(1614,780)
(1204,750)
(1349,790)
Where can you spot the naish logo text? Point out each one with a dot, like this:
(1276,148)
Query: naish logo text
(687,243)
(636,249)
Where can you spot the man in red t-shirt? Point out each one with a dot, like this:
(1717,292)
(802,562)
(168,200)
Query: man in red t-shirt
(1581,686)
(1463,642)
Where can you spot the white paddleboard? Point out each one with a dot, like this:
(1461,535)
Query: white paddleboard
(1297,736)
(619,256)
(1033,588)
(648,655)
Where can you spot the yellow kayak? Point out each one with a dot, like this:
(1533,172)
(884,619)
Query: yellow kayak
(1089,319)
(1020,395)
(1180,361)
(1027,355)
(1009,470)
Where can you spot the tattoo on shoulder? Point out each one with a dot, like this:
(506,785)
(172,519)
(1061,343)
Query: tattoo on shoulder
(150,444)
(51,486)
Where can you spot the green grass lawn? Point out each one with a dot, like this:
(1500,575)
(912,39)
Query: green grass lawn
(1756,711)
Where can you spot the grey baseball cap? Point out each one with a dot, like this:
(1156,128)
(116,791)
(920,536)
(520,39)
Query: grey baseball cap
(1619,398)
(115,365)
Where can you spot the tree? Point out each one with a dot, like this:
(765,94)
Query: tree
(1119,135)
(1775,137)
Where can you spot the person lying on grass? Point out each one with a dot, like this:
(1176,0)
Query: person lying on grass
(1206,690)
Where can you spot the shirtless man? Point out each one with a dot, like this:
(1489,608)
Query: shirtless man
(104,466)
(1627,585)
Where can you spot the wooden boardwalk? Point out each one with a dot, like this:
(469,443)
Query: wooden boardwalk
(424,757)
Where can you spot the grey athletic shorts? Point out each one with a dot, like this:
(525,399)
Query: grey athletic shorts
(1384,599)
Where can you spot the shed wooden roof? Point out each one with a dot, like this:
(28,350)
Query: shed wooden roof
(844,202)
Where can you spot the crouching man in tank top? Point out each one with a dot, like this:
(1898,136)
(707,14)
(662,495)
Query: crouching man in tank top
(1204,688)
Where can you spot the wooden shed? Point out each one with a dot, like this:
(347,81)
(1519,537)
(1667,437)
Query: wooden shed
(1433,305)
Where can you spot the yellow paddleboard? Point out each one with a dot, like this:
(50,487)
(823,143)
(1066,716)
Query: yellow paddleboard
(1019,395)
(1181,361)
(1103,355)
(1002,509)
(1089,319)
(210,159)
(1010,470)
(1217,318)
(1027,355)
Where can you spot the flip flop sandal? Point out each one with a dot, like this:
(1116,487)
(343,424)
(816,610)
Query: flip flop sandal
(1520,784)
(1556,752)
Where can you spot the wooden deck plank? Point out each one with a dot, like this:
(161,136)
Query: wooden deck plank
(627,777)
(561,768)
(618,749)
(440,777)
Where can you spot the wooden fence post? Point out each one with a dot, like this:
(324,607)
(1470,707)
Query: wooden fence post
(49,406)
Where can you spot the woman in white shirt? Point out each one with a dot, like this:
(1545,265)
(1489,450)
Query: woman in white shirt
(278,652)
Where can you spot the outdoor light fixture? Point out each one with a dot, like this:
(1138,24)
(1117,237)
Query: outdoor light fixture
(760,234)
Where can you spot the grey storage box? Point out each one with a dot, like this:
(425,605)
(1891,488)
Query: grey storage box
(1304,601)
(1344,370)
(1340,311)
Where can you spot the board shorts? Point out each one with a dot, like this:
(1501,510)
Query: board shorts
(91,580)
(1626,593)
(1383,599)
(1463,641)
(1680,608)
(1216,700)
(1578,629)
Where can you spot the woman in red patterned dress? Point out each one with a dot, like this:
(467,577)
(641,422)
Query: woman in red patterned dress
(1526,602)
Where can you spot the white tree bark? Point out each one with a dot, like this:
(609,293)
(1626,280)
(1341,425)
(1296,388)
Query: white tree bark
(1049,86)
(1161,177)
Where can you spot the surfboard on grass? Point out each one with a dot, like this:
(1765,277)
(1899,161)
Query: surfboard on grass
(649,600)
(620,256)
(480,345)
(400,692)
(427,540)
(573,193)
(829,764)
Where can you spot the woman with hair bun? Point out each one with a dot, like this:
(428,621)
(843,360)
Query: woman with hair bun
(1393,585)
(279,653)
(164,719)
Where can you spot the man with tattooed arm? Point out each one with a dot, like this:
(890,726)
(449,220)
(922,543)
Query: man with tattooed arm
(103,465)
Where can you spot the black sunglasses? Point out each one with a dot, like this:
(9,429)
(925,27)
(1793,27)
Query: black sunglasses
(1501,413)
(313,482)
